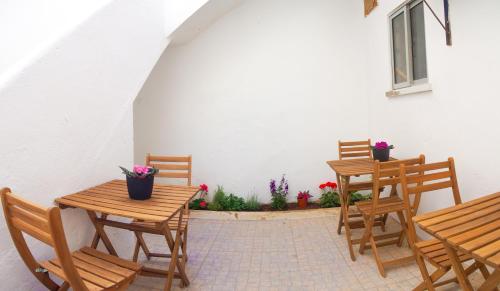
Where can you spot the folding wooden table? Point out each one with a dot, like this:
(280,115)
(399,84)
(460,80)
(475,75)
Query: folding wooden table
(111,199)
(345,169)
(471,228)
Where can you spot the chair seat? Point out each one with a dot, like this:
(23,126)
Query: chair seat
(98,271)
(172,224)
(385,205)
(433,250)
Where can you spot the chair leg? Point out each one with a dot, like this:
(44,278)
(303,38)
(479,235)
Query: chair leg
(184,246)
(64,286)
(341,221)
(376,255)
(404,230)
(366,235)
(428,282)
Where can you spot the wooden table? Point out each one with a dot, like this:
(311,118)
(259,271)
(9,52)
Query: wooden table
(344,170)
(111,198)
(471,228)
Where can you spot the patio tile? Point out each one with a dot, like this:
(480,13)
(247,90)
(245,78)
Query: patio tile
(291,254)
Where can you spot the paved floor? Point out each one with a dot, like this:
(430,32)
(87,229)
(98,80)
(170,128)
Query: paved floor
(287,254)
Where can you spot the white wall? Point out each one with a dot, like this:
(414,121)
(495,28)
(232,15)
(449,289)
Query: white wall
(267,89)
(459,117)
(67,118)
(28,26)
(177,11)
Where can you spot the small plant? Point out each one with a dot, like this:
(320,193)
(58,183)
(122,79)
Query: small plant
(302,198)
(252,203)
(304,195)
(217,200)
(381,151)
(329,195)
(356,196)
(139,171)
(233,203)
(200,203)
(279,193)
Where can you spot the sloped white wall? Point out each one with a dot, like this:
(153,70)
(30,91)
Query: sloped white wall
(459,117)
(27,26)
(266,90)
(67,119)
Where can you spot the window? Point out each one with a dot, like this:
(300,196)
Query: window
(408,55)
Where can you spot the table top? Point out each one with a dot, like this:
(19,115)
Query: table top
(472,227)
(112,198)
(352,167)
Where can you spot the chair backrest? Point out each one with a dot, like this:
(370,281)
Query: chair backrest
(355,149)
(175,167)
(45,225)
(416,180)
(387,174)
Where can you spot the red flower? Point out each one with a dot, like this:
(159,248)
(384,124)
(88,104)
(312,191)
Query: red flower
(332,185)
(203,204)
(322,186)
(204,187)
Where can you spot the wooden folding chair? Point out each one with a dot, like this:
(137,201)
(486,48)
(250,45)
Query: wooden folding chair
(169,167)
(85,269)
(357,150)
(385,174)
(416,180)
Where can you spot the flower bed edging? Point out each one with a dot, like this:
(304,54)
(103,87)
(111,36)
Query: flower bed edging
(264,215)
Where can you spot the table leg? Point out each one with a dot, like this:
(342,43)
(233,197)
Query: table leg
(174,244)
(100,231)
(97,237)
(341,216)
(458,268)
(344,204)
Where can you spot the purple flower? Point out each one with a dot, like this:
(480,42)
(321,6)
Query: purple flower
(272,186)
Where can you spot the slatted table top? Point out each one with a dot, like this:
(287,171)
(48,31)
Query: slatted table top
(472,227)
(112,198)
(352,167)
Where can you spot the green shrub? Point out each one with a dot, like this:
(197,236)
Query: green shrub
(218,200)
(332,199)
(278,202)
(329,199)
(234,203)
(252,203)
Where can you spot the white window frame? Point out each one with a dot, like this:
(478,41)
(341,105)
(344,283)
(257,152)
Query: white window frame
(405,8)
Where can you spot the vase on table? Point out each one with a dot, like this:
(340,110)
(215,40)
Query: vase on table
(140,188)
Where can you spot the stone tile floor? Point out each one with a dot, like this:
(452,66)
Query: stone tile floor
(287,254)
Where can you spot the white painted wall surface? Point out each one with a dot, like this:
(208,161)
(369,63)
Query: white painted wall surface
(177,11)
(266,90)
(67,119)
(29,26)
(459,117)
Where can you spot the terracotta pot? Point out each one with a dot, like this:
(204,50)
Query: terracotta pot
(302,203)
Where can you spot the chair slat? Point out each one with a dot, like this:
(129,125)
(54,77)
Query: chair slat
(430,187)
(172,175)
(29,218)
(354,143)
(32,231)
(169,159)
(428,177)
(169,166)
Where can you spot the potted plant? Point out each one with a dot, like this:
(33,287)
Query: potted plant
(302,198)
(278,194)
(381,151)
(140,181)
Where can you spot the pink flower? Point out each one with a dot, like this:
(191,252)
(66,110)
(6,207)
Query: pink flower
(381,145)
(141,170)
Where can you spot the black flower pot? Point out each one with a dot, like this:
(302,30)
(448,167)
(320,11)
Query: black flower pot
(381,155)
(140,188)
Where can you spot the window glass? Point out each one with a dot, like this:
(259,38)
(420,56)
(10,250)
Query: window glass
(399,49)
(419,57)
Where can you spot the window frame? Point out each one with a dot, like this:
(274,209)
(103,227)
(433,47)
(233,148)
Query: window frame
(405,8)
